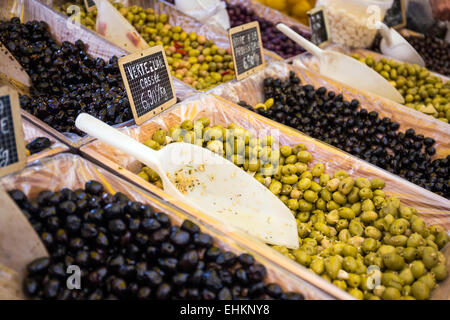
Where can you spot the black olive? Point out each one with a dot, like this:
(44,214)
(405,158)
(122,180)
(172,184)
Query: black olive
(203,240)
(190,227)
(188,260)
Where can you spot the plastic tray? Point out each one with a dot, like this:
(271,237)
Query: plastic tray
(433,208)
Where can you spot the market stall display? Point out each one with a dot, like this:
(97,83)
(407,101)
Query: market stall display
(118,214)
(315,175)
(288,170)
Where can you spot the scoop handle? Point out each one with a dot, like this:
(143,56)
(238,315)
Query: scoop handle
(385,32)
(294,36)
(107,134)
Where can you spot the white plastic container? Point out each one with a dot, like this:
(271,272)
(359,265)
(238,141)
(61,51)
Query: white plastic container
(353,22)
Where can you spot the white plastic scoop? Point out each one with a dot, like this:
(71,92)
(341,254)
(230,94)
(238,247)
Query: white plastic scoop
(210,183)
(395,46)
(345,69)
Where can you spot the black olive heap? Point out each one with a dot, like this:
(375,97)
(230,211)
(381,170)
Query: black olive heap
(272,39)
(346,125)
(65,79)
(126,250)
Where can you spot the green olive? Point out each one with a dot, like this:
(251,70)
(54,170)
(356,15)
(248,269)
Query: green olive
(420,290)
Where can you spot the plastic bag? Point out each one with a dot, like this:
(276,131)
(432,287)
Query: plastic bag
(212,12)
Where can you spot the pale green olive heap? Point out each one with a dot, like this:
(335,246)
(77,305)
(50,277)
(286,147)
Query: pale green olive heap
(192,58)
(421,89)
(348,228)
(88,19)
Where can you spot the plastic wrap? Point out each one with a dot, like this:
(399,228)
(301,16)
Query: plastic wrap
(62,29)
(211,12)
(30,132)
(71,171)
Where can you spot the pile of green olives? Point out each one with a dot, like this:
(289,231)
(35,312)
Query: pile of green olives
(351,233)
(421,89)
(192,58)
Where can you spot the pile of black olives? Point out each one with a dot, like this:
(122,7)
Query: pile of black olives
(66,80)
(346,125)
(272,39)
(125,250)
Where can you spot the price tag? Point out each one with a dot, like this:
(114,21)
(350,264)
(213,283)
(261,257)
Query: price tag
(396,16)
(320,33)
(90,5)
(148,82)
(247,49)
(12,145)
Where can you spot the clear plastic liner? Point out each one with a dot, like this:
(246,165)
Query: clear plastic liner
(72,171)
(30,132)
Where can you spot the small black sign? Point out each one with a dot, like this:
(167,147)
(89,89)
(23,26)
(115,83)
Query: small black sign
(90,5)
(247,49)
(148,82)
(396,16)
(12,145)
(320,34)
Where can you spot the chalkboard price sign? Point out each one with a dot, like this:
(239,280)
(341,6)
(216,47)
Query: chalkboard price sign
(247,49)
(396,16)
(148,82)
(90,5)
(12,145)
(320,34)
